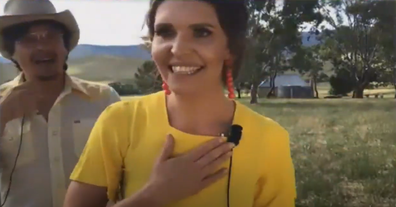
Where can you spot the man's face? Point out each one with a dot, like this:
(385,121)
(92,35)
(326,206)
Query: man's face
(41,52)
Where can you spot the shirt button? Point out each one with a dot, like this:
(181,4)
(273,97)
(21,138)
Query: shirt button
(55,133)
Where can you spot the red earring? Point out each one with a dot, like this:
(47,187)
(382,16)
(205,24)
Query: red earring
(166,88)
(230,81)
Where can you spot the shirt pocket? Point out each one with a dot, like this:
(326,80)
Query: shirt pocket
(12,142)
(81,131)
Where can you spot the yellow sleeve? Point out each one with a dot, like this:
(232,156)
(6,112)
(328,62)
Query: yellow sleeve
(101,162)
(276,186)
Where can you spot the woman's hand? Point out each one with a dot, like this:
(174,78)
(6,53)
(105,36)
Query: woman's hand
(174,179)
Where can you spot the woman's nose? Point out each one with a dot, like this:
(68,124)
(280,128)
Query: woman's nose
(181,46)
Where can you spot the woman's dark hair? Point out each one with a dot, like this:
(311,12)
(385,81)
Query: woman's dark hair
(233,17)
(14,33)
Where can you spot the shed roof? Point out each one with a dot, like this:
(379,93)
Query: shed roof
(285,80)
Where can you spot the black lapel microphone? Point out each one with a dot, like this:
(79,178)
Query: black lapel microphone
(234,136)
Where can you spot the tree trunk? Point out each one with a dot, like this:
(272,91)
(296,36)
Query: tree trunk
(239,92)
(314,86)
(358,92)
(394,78)
(272,85)
(253,93)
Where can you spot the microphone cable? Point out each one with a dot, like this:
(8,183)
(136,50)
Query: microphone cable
(229,182)
(15,163)
(234,136)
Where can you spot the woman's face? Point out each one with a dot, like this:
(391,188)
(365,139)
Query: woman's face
(189,46)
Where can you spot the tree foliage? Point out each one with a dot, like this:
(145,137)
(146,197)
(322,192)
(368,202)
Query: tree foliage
(359,42)
(147,78)
(356,36)
(274,36)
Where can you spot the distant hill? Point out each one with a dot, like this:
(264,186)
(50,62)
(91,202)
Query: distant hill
(105,68)
(83,51)
(133,51)
(109,63)
(138,51)
(95,68)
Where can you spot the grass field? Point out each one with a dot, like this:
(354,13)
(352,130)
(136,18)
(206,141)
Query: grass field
(344,151)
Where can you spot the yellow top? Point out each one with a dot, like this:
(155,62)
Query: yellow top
(129,136)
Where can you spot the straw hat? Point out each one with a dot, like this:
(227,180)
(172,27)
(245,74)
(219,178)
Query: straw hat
(23,11)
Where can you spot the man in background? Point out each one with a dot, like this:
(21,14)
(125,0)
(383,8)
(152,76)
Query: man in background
(46,115)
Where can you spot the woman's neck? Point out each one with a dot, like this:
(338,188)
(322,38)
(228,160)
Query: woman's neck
(207,114)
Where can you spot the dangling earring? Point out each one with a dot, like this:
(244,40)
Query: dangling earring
(166,88)
(229,80)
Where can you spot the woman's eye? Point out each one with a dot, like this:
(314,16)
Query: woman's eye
(202,32)
(164,32)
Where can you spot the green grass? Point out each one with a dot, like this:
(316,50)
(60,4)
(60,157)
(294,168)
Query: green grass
(344,151)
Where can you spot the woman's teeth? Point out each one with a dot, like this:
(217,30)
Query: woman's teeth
(185,69)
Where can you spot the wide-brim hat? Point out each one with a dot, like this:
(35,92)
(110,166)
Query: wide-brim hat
(24,11)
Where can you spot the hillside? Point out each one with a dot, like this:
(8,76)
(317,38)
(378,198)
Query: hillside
(109,63)
(83,51)
(138,51)
(98,68)
(105,68)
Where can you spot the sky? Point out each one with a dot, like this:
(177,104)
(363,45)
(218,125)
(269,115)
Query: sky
(106,22)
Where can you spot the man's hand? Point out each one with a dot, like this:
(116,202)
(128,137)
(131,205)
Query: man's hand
(22,100)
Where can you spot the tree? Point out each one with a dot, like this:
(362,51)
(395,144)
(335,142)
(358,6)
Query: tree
(274,36)
(354,45)
(342,83)
(384,13)
(147,78)
(308,62)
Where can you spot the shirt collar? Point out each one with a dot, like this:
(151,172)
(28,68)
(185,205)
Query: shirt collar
(71,85)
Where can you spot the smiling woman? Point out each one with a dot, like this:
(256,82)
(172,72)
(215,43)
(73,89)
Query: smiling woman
(167,149)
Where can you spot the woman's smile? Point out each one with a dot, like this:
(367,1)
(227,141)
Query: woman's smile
(186,70)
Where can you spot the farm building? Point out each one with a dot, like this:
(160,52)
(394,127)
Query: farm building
(287,86)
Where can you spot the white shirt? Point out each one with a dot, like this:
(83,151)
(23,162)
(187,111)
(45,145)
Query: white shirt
(49,150)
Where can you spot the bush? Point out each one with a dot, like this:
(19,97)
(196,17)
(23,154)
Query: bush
(341,84)
(124,89)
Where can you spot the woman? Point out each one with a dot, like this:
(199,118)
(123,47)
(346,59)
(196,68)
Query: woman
(197,46)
